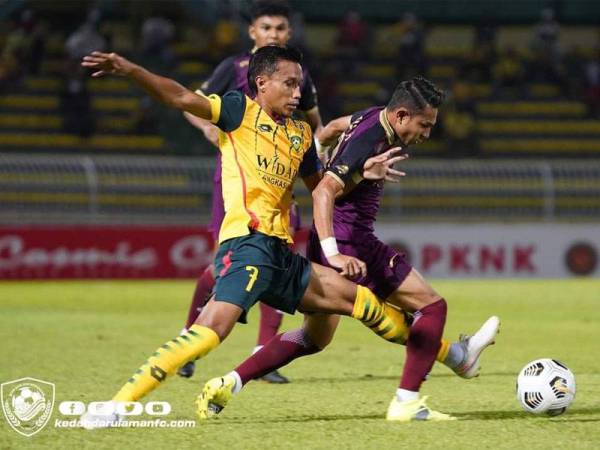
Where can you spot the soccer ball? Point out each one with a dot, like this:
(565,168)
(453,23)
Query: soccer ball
(545,386)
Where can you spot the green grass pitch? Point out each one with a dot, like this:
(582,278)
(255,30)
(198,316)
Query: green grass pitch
(88,337)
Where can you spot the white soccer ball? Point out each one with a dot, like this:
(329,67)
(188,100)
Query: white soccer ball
(546,386)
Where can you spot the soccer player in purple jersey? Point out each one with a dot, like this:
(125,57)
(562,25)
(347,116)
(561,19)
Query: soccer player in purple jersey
(269,26)
(345,208)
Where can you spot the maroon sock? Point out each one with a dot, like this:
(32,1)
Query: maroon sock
(270,320)
(423,344)
(276,353)
(203,287)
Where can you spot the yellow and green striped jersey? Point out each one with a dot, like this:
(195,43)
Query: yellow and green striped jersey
(261,158)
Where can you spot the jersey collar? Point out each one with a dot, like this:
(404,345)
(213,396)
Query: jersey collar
(390,134)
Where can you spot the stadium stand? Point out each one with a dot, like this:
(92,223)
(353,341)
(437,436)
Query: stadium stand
(48,109)
(32,115)
(158,189)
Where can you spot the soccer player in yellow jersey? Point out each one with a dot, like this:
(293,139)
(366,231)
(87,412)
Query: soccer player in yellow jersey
(269,25)
(263,151)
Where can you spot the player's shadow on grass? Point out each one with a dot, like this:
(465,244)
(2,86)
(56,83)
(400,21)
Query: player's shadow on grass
(344,379)
(298,419)
(569,416)
(483,374)
(350,378)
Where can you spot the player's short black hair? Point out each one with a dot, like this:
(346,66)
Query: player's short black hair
(262,8)
(264,61)
(415,94)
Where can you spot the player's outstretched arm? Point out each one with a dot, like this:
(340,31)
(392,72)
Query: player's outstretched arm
(324,196)
(163,89)
(329,134)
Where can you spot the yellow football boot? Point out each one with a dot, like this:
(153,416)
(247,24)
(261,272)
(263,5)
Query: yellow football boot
(214,396)
(413,410)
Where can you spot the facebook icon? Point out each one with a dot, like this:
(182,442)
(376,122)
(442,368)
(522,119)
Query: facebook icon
(71,408)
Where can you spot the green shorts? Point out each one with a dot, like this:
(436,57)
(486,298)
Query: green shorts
(260,267)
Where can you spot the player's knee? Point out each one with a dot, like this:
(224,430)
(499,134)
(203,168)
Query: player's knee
(442,306)
(319,329)
(220,330)
(425,299)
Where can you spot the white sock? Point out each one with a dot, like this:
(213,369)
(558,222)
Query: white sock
(257,348)
(183,331)
(404,396)
(238,381)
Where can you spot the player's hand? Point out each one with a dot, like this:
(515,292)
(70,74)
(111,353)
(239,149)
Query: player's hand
(350,266)
(107,64)
(380,167)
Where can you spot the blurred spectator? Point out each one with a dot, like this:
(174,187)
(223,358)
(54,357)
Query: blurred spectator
(410,36)
(509,75)
(75,100)
(329,97)
(460,123)
(76,107)
(546,35)
(157,35)
(23,50)
(592,85)
(226,36)
(86,39)
(478,63)
(352,30)
(353,38)
(298,37)
(11,67)
(546,64)
(35,37)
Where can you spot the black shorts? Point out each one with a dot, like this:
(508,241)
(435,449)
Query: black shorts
(260,267)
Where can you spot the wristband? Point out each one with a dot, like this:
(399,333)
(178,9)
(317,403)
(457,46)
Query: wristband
(329,246)
(322,150)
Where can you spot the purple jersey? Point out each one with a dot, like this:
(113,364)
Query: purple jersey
(354,214)
(232,75)
(369,134)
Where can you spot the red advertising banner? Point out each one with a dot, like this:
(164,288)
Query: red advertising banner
(103,252)
(106,251)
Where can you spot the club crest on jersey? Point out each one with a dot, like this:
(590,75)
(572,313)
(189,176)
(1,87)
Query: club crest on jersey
(296,143)
(265,127)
